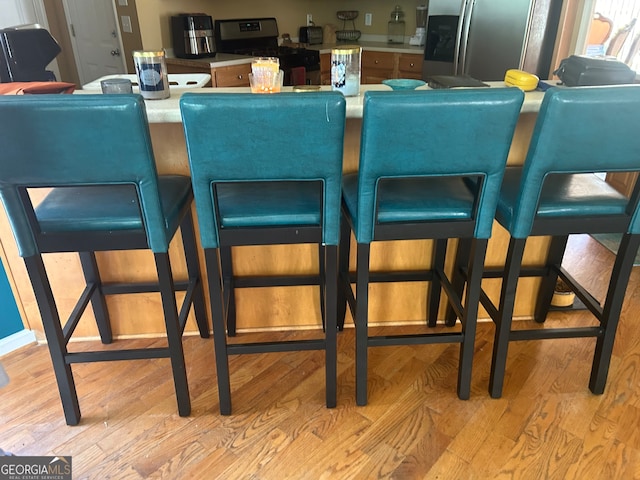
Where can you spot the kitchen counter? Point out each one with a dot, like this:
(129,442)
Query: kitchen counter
(168,110)
(260,309)
(371,46)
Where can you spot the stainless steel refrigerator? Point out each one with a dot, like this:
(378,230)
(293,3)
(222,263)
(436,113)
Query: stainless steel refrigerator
(485,38)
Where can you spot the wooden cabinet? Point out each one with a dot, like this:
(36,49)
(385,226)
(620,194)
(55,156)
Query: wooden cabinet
(325,69)
(229,76)
(623,182)
(410,66)
(378,66)
(232,76)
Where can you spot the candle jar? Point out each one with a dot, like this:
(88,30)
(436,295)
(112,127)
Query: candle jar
(345,70)
(151,69)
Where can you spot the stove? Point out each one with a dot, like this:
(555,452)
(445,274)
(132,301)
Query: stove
(258,37)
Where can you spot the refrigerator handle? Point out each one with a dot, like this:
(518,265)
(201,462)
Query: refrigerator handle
(461,21)
(465,24)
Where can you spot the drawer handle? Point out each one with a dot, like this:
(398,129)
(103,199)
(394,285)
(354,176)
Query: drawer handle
(240,77)
(377,62)
(412,65)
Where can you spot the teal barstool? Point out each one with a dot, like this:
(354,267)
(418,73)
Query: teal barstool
(94,154)
(579,131)
(417,149)
(266,169)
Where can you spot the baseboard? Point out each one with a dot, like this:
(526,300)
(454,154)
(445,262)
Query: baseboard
(16,340)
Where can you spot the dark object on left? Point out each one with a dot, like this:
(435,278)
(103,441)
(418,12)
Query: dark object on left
(25,53)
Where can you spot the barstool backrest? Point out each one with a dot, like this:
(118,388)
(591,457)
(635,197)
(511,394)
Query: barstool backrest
(250,137)
(579,130)
(65,140)
(436,133)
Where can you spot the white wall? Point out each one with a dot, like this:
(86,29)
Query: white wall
(16,12)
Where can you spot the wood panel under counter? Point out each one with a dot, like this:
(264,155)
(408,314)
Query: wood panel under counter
(266,308)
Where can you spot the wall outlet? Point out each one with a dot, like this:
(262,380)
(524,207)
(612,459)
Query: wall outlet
(126,23)
(367,19)
(309,19)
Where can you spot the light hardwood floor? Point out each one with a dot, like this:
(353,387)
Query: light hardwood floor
(547,425)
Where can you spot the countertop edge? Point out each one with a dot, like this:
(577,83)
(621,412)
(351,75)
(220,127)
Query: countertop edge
(168,110)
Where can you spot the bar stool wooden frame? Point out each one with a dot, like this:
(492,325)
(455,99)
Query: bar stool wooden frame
(411,185)
(555,194)
(105,195)
(266,188)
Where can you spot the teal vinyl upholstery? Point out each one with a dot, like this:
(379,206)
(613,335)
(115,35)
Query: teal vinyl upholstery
(89,155)
(580,134)
(418,151)
(565,143)
(219,154)
(92,154)
(266,169)
(470,142)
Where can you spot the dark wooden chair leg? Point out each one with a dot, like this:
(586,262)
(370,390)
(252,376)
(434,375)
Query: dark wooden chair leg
(226,264)
(55,338)
(219,330)
(361,321)
(193,269)
(548,285)
(174,333)
(611,311)
(505,314)
(331,309)
(458,280)
(323,280)
(470,316)
(343,270)
(98,303)
(435,289)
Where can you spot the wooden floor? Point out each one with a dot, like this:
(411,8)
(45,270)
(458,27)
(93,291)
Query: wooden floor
(547,425)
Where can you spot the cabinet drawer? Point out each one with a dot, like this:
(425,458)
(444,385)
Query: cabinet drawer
(378,60)
(410,66)
(233,76)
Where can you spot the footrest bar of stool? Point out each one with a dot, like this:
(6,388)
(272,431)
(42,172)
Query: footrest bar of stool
(271,347)
(550,333)
(452,295)
(142,287)
(275,281)
(583,294)
(186,304)
(399,276)
(113,355)
(427,338)
(498,272)
(72,322)
(488,305)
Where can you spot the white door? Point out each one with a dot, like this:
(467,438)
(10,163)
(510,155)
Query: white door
(95,38)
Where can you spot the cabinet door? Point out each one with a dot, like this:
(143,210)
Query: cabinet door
(622,181)
(325,69)
(377,66)
(410,66)
(233,76)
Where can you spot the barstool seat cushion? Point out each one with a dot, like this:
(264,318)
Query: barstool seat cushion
(567,195)
(419,199)
(252,204)
(113,207)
